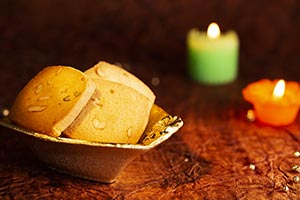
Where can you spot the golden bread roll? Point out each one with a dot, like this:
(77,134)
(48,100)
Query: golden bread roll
(119,110)
(52,100)
(115,114)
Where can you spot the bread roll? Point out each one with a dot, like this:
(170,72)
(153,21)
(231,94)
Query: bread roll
(119,110)
(52,100)
(115,114)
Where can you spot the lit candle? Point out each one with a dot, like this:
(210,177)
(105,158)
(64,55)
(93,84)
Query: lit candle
(212,56)
(275,102)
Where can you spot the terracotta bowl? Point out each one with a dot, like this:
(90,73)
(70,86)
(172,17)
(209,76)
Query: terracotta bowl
(95,160)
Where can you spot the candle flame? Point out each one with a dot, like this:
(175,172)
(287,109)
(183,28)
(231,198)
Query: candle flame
(213,30)
(279,89)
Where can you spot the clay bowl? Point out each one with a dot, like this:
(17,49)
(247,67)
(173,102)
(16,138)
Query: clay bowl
(96,161)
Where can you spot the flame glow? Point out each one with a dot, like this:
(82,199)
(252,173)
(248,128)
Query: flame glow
(213,30)
(279,89)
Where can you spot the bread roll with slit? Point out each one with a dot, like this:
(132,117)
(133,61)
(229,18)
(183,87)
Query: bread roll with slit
(119,110)
(52,100)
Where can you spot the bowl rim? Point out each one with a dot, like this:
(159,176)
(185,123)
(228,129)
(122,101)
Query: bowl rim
(168,130)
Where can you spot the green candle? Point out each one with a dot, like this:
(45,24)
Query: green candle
(213,57)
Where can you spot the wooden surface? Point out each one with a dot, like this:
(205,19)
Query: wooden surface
(209,157)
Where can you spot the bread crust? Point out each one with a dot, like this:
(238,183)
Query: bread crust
(52,100)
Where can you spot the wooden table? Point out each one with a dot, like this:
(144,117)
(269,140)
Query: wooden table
(209,158)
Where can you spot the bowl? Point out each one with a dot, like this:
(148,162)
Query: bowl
(96,161)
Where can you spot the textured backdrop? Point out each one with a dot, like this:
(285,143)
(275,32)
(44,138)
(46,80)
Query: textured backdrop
(144,33)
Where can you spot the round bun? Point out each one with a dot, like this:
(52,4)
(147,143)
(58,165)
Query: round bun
(52,100)
(119,110)
(115,114)
(107,71)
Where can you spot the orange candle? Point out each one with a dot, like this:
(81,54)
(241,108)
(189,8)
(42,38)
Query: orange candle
(275,102)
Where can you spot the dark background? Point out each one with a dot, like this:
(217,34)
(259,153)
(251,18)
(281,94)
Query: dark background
(147,35)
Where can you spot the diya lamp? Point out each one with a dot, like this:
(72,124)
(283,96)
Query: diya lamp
(276,102)
(212,56)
